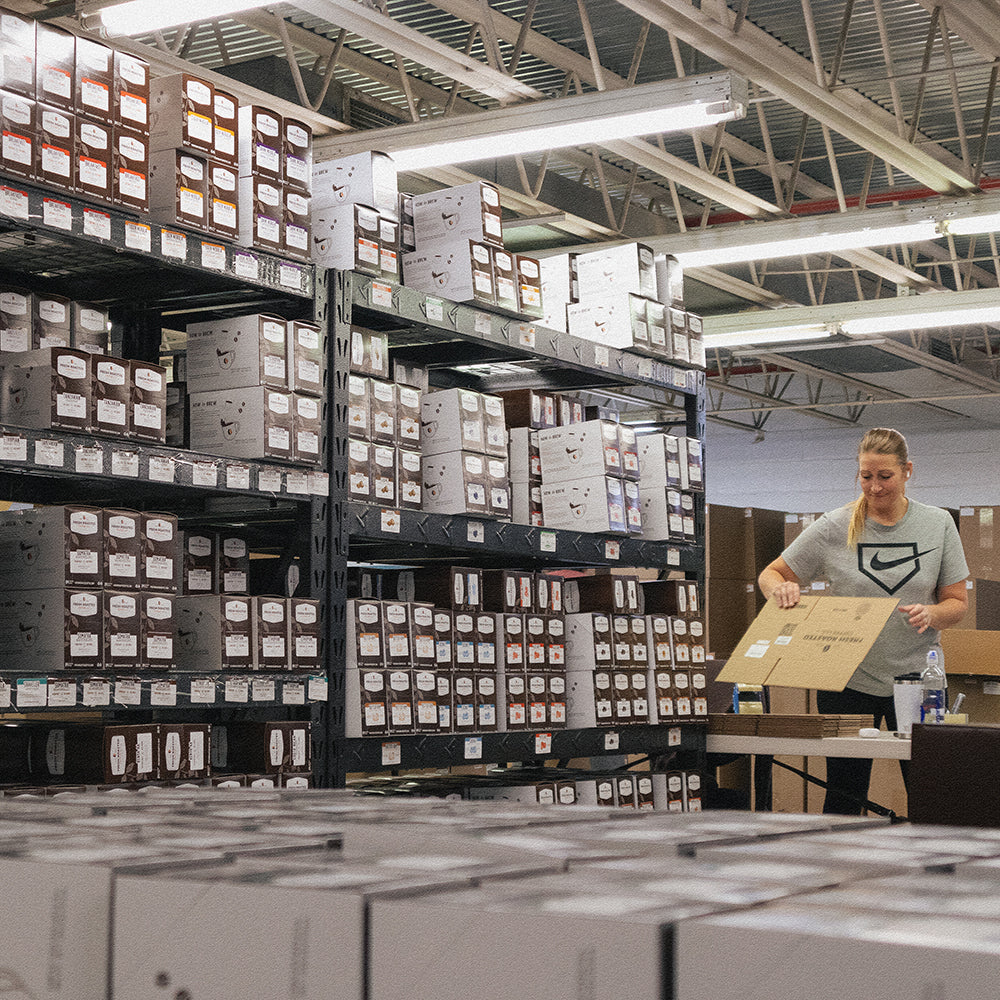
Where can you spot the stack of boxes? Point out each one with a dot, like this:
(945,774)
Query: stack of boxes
(255,387)
(590,477)
(673,477)
(463,436)
(494,659)
(275,181)
(355,215)
(75,113)
(625,666)
(33,319)
(384,458)
(982,552)
(88,588)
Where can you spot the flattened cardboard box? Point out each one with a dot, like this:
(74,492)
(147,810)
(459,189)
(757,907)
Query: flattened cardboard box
(817,644)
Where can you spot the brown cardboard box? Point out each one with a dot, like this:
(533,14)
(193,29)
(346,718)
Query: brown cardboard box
(131,92)
(94,80)
(55,65)
(182,113)
(148,409)
(94,141)
(973,652)
(982,549)
(816,644)
(56,147)
(225,140)
(742,540)
(732,606)
(20,140)
(130,169)
(112,394)
(122,534)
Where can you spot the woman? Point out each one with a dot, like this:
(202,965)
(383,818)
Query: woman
(881,545)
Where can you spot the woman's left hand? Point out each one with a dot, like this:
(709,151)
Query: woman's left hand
(919,616)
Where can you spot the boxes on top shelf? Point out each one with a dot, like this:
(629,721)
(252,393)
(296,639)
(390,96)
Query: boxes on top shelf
(615,320)
(94,80)
(625,268)
(131,92)
(55,66)
(297,155)
(19,152)
(260,142)
(444,220)
(669,281)
(17,53)
(130,169)
(225,127)
(261,208)
(530,301)
(56,148)
(362,179)
(93,159)
(463,272)
(346,237)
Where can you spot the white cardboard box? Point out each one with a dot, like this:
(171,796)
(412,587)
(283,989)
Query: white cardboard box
(362,179)
(625,268)
(452,420)
(579,451)
(253,422)
(471,211)
(237,352)
(595,504)
(462,271)
(346,237)
(456,482)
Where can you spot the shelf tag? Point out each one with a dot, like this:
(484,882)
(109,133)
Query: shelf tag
(526,335)
(237,477)
(4,694)
(269,480)
(293,693)
(473,748)
(262,689)
(237,690)
(612,549)
(546,541)
(391,754)
(319,688)
(125,463)
(205,474)
(381,295)
(173,244)
(14,203)
(483,324)
(673,557)
(128,691)
(57,214)
(202,691)
(138,236)
(50,453)
(162,469)
(476,532)
(31,692)
(390,521)
(246,265)
(290,276)
(434,309)
(213,256)
(645,367)
(543,743)
(13,448)
(674,736)
(601,356)
(163,693)
(297,482)
(680,378)
(610,741)
(89,460)
(96,223)
(62,693)
(319,484)
(96,692)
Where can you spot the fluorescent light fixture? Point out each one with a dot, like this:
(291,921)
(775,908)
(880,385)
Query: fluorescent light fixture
(972,224)
(585,120)
(865,326)
(828,241)
(138,17)
(777,335)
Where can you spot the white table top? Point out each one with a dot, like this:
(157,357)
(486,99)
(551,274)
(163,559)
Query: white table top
(886,746)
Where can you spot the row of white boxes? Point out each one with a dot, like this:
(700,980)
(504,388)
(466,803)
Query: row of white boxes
(29,320)
(674,791)
(70,389)
(75,628)
(428,898)
(52,755)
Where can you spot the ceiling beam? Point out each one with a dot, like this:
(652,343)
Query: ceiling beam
(976,22)
(770,63)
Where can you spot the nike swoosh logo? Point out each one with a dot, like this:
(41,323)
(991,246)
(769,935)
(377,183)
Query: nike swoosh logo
(877,564)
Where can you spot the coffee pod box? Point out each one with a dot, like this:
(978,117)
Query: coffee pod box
(214,632)
(237,353)
(253,422)
(49,547)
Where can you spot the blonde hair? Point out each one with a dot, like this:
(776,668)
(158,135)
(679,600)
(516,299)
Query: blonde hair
(878,441)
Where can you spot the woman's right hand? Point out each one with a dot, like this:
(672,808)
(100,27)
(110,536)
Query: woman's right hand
(786,594)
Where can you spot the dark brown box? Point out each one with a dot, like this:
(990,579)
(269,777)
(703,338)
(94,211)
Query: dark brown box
(390,252)
(307,358)
(52,389)
(56,166)
(233,573)
(504,279)
(408,416)
(156,640)
(365,625)
(297,155)
(515,700)
(409,479)
(373,708)
(55,66)
(463,700)
(129,753)
(183,751)
(94,159)
(384,474)
(51,320)
(18,119)
(359,470)
(304,633)
(160,552)
(444,639)
(426,718)
(226,121)
(396,629)
(382,425)
(122,628)
(111,382)
(742,540)
(122,548)
(270,747)
(88,327)
(131,92)
(82,629)
(178,188)
(16,312)
(260,141)
(270,633)
(260,211)
(223,209)
(130,169)
(399,699)
(148,409)
(296,232)
(94,79)
(199,562)
(307,427)
(529,286)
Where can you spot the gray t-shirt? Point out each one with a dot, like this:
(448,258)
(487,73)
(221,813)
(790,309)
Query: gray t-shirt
(908,560)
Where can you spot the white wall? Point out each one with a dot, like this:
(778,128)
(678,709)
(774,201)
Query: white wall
(813,468)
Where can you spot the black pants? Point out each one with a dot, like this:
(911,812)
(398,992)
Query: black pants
(847,778)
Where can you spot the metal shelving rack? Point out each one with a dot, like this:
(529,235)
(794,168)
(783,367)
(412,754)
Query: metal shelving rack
(464,339)
(144,272)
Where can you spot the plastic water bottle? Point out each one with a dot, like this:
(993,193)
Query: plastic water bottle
(935,684)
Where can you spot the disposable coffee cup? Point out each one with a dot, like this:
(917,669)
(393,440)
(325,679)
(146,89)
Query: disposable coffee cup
(907,697)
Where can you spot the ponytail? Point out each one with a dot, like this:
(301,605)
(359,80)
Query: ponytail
(857,525)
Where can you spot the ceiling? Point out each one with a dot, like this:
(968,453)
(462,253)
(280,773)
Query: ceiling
(855,105)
